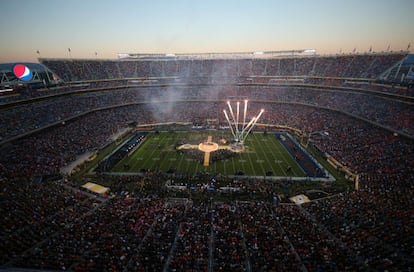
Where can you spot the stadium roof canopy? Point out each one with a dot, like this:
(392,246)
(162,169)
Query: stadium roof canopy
(231,55)
(40,75)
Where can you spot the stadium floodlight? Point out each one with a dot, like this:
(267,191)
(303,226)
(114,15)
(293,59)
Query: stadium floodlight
(239,128)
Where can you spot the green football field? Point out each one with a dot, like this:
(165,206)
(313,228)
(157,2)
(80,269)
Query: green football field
(263,155)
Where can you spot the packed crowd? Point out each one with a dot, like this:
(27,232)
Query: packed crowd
(393,113)
(154,234)
(35,211)
(347,66)
(407,91)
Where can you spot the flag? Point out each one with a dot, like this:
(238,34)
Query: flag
(408,47)
(370,49)
(68,49)
(354,50)
(388,48)
(38,52)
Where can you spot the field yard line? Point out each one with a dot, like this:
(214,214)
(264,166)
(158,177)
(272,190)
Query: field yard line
(264,151)
(196,168)
(275,146)
(215,167)
(134,155)
(170,163)
(232,162)
(187,164)
(182,157)
(144,162)
(251,165)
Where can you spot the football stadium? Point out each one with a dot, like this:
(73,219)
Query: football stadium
(284,159)
(281,161)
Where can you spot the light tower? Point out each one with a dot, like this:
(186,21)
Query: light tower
(240,131)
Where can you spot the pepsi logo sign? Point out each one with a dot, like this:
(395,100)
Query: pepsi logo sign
(22,72)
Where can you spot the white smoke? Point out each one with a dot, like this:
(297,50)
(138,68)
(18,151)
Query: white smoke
(216,78)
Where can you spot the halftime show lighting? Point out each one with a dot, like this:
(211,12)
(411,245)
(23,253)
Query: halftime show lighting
(240,131)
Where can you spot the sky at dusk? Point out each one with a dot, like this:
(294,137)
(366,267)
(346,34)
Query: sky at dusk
(103,28)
